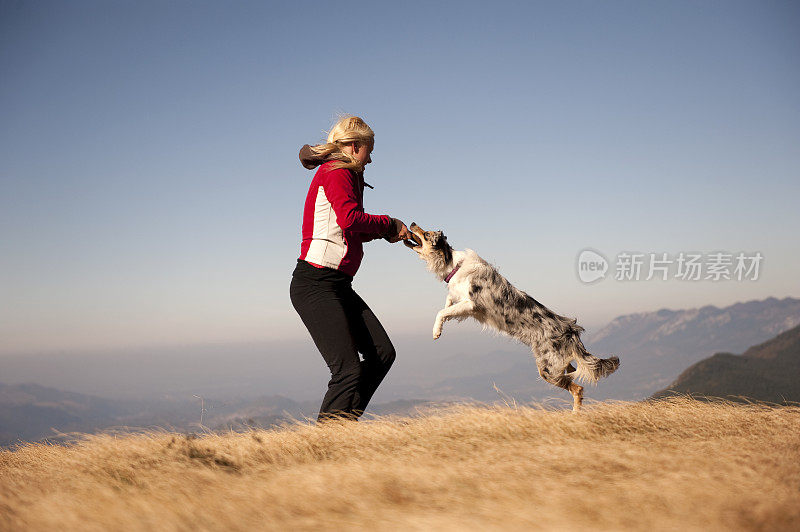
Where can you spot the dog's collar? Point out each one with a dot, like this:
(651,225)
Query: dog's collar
(451,274)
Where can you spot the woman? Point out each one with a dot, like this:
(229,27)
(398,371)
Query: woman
(334,228)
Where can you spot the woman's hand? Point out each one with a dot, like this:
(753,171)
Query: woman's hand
(402,232)
(405,234)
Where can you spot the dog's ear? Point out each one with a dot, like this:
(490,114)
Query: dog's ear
(440,242)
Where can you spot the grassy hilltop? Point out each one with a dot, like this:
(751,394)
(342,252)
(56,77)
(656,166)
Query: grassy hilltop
(671,464)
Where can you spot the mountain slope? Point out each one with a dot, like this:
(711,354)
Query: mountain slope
(766,372)
(655,347)
(30,411)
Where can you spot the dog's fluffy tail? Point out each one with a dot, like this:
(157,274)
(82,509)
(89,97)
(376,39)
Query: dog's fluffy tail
(589,367)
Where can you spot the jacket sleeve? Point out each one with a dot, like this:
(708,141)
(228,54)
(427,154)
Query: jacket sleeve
(340,188)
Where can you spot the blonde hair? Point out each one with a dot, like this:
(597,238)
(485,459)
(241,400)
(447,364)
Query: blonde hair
(347,130)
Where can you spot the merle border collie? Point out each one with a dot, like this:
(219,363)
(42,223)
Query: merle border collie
(477,290)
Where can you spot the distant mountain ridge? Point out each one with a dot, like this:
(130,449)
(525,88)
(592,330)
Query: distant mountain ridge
(770,316)
(30,412)
(655,347)
(766,372)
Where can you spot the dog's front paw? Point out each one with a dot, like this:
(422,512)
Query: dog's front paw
(437,332)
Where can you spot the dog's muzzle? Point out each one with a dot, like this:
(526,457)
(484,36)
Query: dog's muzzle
(415,241)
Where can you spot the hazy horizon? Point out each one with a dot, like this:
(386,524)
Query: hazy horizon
(465,362)
(469,331)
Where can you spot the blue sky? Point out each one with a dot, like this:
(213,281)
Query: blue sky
(150,191)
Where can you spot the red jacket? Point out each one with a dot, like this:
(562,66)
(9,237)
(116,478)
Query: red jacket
(334,222)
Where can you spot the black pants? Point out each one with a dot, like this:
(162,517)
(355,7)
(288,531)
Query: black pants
(342,325)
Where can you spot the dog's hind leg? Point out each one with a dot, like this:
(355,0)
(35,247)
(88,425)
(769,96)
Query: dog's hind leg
(557,378)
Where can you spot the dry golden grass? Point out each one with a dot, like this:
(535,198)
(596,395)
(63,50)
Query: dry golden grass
(667,465)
